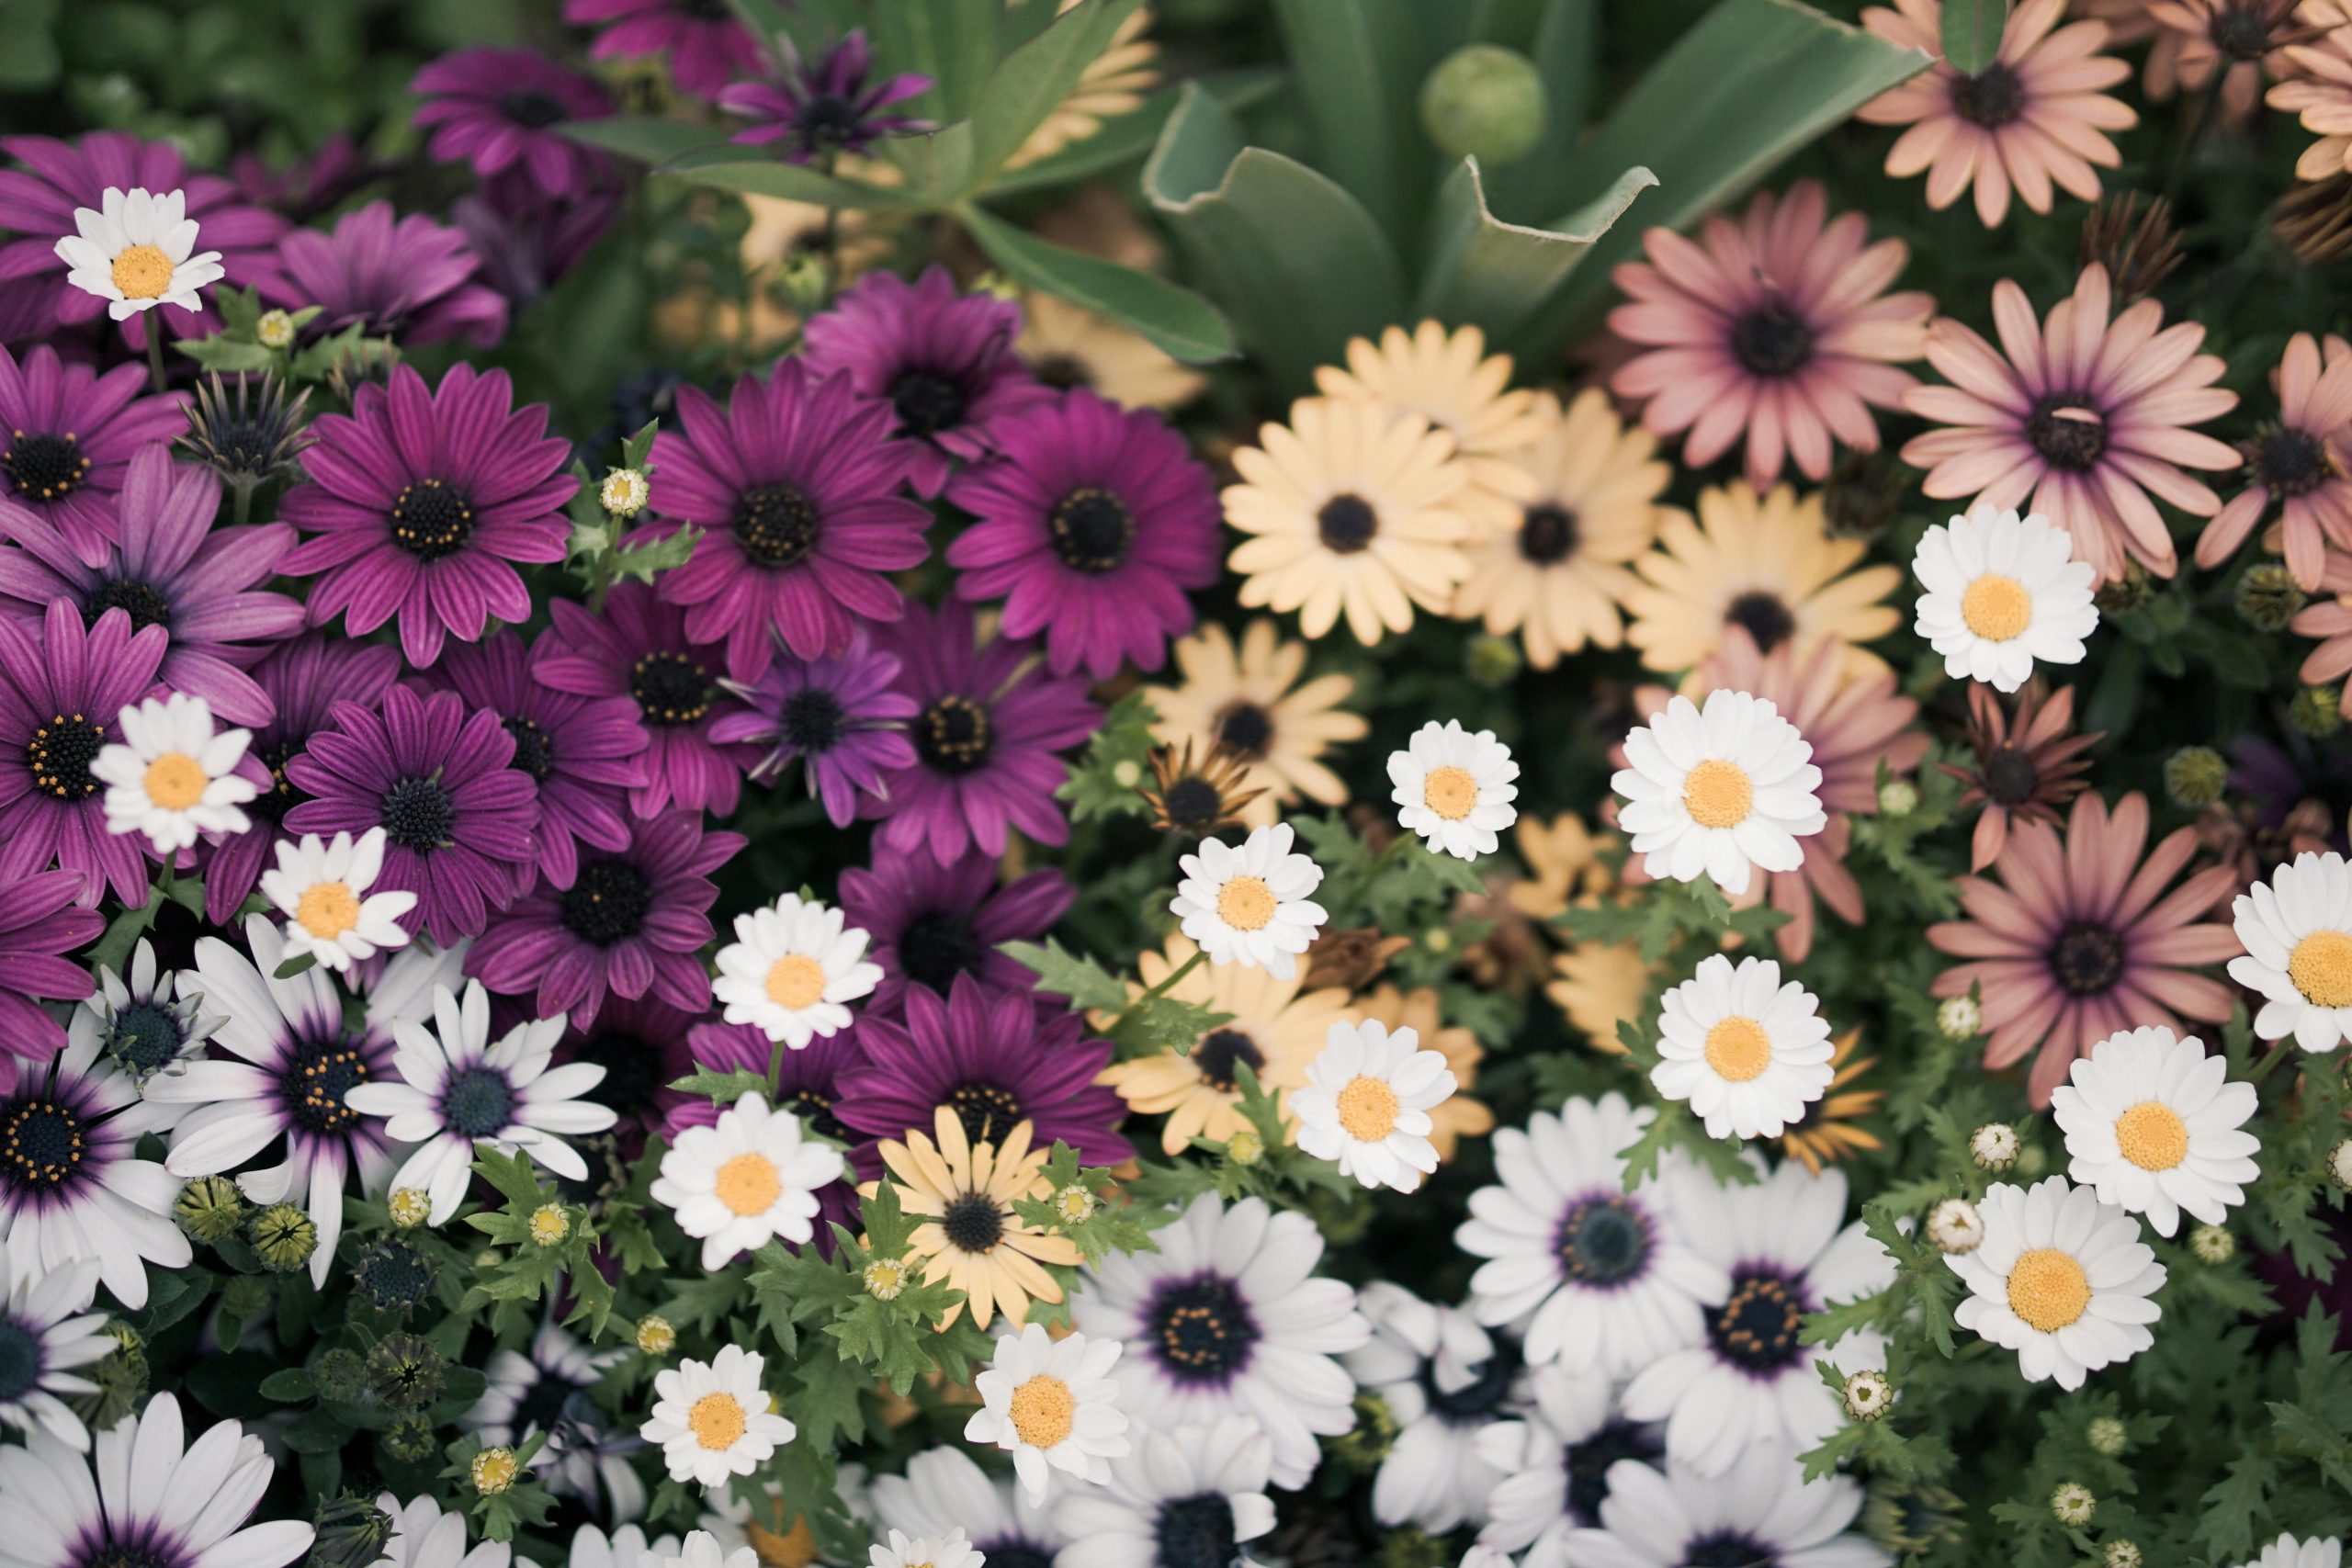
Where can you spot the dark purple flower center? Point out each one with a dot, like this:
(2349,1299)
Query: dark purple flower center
(1604,1241)
(607,904)
(145,1037)
(937,947)
(478,1102)
(316,1081)
(671,689)
(2242,32)
(632,1070)
(20,1360)
(1015,1552)
(420,815)
(816,1112)
(2010,777)
(776,524)
(828,121)
(2290,462)
(972,1223)
(1195,1532)
(1193,805)
(2086,960)
(59,754)
(952,735)
(1992,99)
(1347,523)
(1201,1330)
(41,1143)
(1756,1330)
(142,602)
(812,720)
(1219,1055)
(533,110)
(1244,729)
(1772,340)
(988,1110)
(431,520)
(46,467)
(546,1407)
(928,402)
(1547,533)
(1062,372)
(2067,432)
(141,1553)
(1092,530)
(1764,617)
(283,795)
(1728,1549)
(533,751)
(1586,1465)
(1483,1395)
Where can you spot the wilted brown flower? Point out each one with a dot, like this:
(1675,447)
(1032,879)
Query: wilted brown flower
(2235,836)
(1351,959)
(2134,242)
(2028,765)
(1197,800)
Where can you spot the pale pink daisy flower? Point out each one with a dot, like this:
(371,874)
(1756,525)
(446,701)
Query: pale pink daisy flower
(2299,464)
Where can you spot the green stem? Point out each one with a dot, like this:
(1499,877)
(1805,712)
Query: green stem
(154,325)
(2277,1054)
(775,1070)
(1161,990)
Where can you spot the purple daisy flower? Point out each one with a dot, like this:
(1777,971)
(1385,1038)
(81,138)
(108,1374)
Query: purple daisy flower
(39,924)
(702,40)
(640,1042)
(797,484)
(420,504)
(840,718)
(943,359)
(1092,522)
(60,687)
(69,433)
(585,753)
(632,922)
(995,1059)
(988,721)
(526,242)
(413,279)
(493,109)
(830,107)
(303,680)
(638,648)
(171,568)
(457,816)
(307,186)
(929,924)
(809,1085)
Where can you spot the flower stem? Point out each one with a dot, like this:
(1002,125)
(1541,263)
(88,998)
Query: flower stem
(154,325)
(1161,990)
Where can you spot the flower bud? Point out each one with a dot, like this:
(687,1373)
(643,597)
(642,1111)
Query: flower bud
(1485,102)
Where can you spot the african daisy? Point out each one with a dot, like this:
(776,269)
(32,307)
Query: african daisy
(1249,904)
(1723,790)
(1366,1102)
(1049,1403)
(2154,1124)
(1748,1052)
(138,250)
(2060,1278)
(792,968)
(2297,929)
(2001,594)
(322,892)
(170,777)
(712,1420)
(1455,788)
(750,1176)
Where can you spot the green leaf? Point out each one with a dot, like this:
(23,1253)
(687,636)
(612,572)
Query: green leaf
(723,166)
(954,42)
(1564,44)
(1972,33)
(1031,82)
(1358,66)
(1128,137)
(723,1089)
(29,57)
(646,138)
(289,1383)
(1173,317)
(294,965)
(315,1432)
(1087,984)
(1483,272)
(1104,781)
(122,933)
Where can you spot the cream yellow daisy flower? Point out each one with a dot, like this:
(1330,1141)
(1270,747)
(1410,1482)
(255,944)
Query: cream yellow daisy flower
(1113,85)
(1597,983)
(1069,346)
(1449,380)
(971,1239)
(1249,700)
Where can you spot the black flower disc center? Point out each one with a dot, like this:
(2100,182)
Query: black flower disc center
(1756,1330)
(431,520)
(316,1082)
(1772,340)
(1547,533)
(142,602)
(1219,1055)
(607,904)
(1993,98)
(1193,805)
(776,524)
(2067,432)
(1483,1395)
(59,754)
(1764,615)
(478,1102)
(937,947)
(534,750)
(1201,1330)
(1347,523)
(2290,462)
(988,1110)
(928,402)
(1195,1532)
(952,735)
(20,1360)
(420,815)
(1091,530)
(972,1223)
(2010,777)
(533,110)
(41,1143)
(1604,1241)
(1244,729)
(145,1037)
(46,467)
(2086,960)
(670,689)
(812,720)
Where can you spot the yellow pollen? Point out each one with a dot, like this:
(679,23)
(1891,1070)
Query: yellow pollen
(143,272)
(174,781)
(1996,608)
(796,981)
(2152,1136)
(1717,795)
(2320,967)
(2048,1289)
(327,909)
(1246,903)
(1450,793)
(717,1420)
(1738,1049)
(1367,1108)
(1043,1411)
(749,1184)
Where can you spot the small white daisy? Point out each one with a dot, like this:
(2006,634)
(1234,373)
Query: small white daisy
(2002,593)
(2297,932)
(1720,790)
(138,250)
(903,1550)
(1483,1556)
(321,890)
(626,1548)
(2062,1279)
(1050,1404)
(2289,1553)
(47,1329)
(424,1537)
(702,1550)
(791,969)
(713,1420)
(1366,1102)
(1748,1052)
(150,1021)
(170,777)
(1445,1381)
(1455,788)
(1189,1494)
(1761,1511)
(1555,1462)
(945,1489)
(1249,905)
(749,1177)
(2154,1124)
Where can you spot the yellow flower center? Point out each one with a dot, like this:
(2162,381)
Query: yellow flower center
(327,909)
(1246,903)
(717,1420)
(2048,1289)
(174,781)
(1043,1411)
(143,272)
(796,981)
(1996,608)
(1450,793)
(749,1184)
(1738,1049)
(2320,967)
(1717,795)
(1367,1108)
(2152,1136)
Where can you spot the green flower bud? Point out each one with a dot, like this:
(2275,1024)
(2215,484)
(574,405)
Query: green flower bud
(405,1372)
(341,1376)
(351,1533)
(410,1440)
(393,1274)
(806,281)
(122,1377)
(2195,775)
(210,1208)
(2269,597)
(1485,102)
(2126,593)
(243,1296)
(2107,1436)
(284,1237)
(1374,1433)
(2317,711)
(1492,662)
(1410,1548)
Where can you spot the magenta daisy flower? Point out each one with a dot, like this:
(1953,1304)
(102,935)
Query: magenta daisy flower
(703,41)
(171,568)
(827,106)
(61,686)
(795,483)
(638,648)
(410,278)
(928,923)
(640,1042)
(67,434)
(989,722)
(39,923)
(808,1085)
(458,817)
(306,185)
(943,359)
(844,721)
(494,110)
(420,504)
(1093,521)
(585,753)
(526,242)
(632,922)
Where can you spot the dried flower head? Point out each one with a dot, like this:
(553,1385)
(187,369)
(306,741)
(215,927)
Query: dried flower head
(2134,242)
(249,436)
(1191,800)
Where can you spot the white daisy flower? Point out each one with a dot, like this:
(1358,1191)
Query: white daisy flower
(1749,1051)
(2289,1553)
(424,1537)
(2002,593)
(1555,1463)
(2062,1279)
(1750,1383)
(1604,1273)
(1366,1102)
(1445,1381)
(1229,1318)
(1761,1510)
(626,1547)
(1719,790)
(2297,932)
(170,777)
(322,891)
(138,250)
(1249,905)
(1455,788)
(1189,1495)
(749,1177)
(1482,1556)
(47,1329)
(903,1550)
(150,1020)
(1051,1405)
(547,1391)
(792,969)
(945,1489)
(713,1420)
(460,1089)
(702,1550)
(2154,1124)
